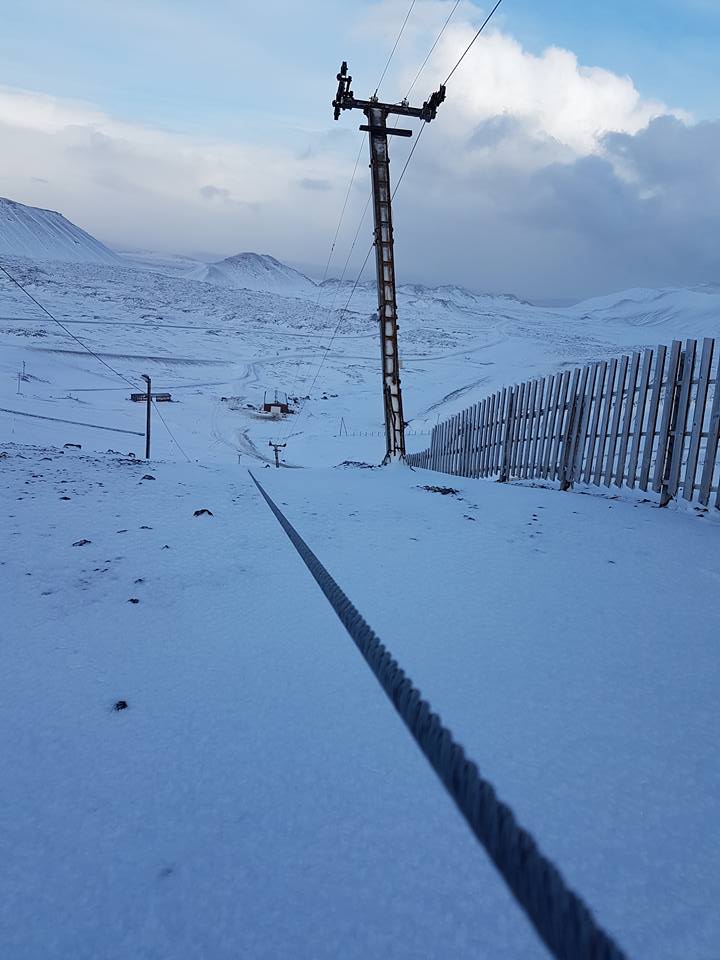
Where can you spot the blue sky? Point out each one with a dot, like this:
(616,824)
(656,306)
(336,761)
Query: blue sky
(217,66)
(206,128)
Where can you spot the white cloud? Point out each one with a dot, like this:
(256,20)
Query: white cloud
(523,157)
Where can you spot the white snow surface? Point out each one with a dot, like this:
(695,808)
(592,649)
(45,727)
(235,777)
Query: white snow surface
(259,797)
(47,235)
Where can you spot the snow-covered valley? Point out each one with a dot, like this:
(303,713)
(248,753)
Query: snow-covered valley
(258,796)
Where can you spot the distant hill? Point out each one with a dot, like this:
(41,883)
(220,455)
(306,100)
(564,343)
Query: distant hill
(46,235)
(256,271)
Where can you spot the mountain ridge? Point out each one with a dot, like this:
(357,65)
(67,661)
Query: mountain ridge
(40,234)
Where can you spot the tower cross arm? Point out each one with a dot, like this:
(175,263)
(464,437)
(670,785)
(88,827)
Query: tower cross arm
(346,100)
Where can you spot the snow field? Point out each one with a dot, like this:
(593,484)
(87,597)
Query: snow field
(258,797)
(570,643)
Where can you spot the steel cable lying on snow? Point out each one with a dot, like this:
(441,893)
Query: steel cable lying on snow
(562,920)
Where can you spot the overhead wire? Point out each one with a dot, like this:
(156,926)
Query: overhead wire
(345,309)
(365,209)
(432,48)
(467,48)
(394,48)
(65,329)
(477,34)
(172,435)
(91,352)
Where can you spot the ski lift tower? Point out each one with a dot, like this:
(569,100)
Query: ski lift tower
(378,131)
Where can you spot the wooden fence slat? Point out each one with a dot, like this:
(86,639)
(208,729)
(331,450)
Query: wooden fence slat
(457,446)
(522,424)
(627,419)
(640,407)
(678,437)
(588,391)
(469,441)
(500,420)
(619,392)
(557,389)
(492,455)
(485,434)
(584,394)
(497,431)
(653,407)
(666,418)
(517,432)
(558,426)
(570,429)
(487,449)
(604,420)
(471,448)
(480,409)
(712,442)
(527,432)
(596,408)
(537,427)
(519,425)
(481,437)
(452,442)
(529,428)
(508,432)
(551,396)
(463,436)
(701,395)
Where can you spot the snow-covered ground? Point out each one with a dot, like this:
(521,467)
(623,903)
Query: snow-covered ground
(204,341)
(259,797)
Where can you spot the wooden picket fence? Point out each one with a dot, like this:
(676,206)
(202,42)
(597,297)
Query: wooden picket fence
(650,420)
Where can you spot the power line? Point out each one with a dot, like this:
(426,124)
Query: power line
(405,167)
(392,52)
(92,353)
(65,329)
(172,435)
(430,52)
(487,21)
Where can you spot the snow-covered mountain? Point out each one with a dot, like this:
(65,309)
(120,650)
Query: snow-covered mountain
(688,311)
(256,271)
(46,235)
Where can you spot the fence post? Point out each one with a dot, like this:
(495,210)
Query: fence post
(667,452)
(505,469)
(573,430)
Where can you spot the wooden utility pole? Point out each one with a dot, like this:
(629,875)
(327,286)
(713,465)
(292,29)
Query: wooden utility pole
(147,415)
(378,132)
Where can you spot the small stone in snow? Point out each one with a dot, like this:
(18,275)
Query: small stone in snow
(133,600)
(203,513)
(120,705)
(148,476)
(81,543)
